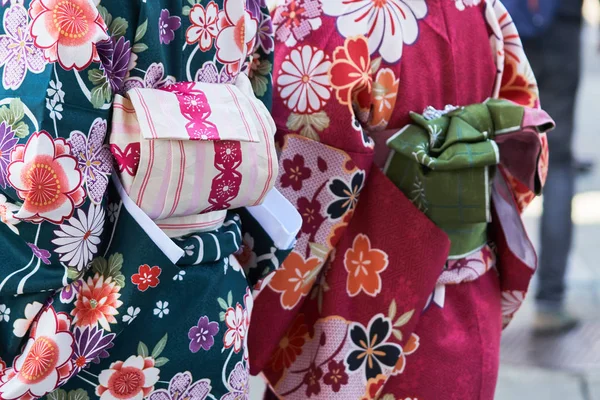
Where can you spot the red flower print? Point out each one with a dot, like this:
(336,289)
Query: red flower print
(290,346)
(374,387)
(294,172)
(350,72)
(337,376)
(146,277)
(47,178)
(516,87)
(311,215)
(312,380)
(409,348)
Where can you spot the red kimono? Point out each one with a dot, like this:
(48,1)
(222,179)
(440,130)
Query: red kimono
(368,306)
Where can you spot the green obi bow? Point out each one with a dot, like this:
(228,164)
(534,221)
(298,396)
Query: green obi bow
(445,165)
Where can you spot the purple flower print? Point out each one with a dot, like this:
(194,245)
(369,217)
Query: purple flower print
(7,142)
(114,60)
(253,6)
(94,158)
(154,79)
(238,384)
(67,294)
(167,25)
(42,254)
(91,344)
(265,34)
(182,387)
(202,335)
(209,73)
(17,52)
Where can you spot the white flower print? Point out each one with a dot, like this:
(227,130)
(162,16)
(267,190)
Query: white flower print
(4,313)
(204,25)
(179,276)
(161,308)
(7,214)
(21,325)
(235,319)
(55,109)
(132,314)
(303,82)
(78,239)
(387,24)
(55,91)
(511,301)
(113,210)
(462,4)
(132,379)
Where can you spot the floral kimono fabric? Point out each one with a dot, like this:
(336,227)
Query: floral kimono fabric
(83,312)
(369,303)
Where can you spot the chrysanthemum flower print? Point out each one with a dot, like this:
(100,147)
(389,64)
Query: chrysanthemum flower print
(364,265)
(97,302)
(303,83)
(388,24)
(46,176)
(67,31)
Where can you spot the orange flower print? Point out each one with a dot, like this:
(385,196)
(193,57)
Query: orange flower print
(350,72)
(364,266)
(385,91)
(290,346)
(295,279)
(374,387)
(516,87)
(409,348)
(97,302)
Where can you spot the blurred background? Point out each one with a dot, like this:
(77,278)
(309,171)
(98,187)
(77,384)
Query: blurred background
(567,366)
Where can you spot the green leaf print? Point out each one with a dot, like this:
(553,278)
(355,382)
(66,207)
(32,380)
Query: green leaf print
(222,316)
(141,31)
(105,15)
(139,48)
(142,350)
(21,130)
(111,269)
(160,346)
(12,116)
(222,303)
(78,394)
(119,27)
(101,95)
(230,299)
(186,10)
(96,77)
(159,362)
(59,394)
(73,273)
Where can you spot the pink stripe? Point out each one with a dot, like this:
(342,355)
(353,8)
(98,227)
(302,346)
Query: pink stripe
(184,226)
(148,173)
(266,136)
(180,181)
(122,107)
(237,104)
(148,117)
(122,127)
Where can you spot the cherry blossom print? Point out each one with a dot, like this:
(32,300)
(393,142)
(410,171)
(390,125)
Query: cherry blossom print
(183,387)
(236,328)
(133,378)
(371,349)
(146,277)
(364,265)
(202,336)
(336,377)
(18,55)
(7,214)
(239,384)
(204,26)
(154,78)
(47,178)
(79,237)
(67,31)
(46,359)
(295,279)
(388,24)
(350,72)
(8,141)
(210,73)
(303,83)
(296,19)
(295,172)
(385,92)
(94,158)
(237,35)
(97,302)
(167,25)
(21,325)
(346,195)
